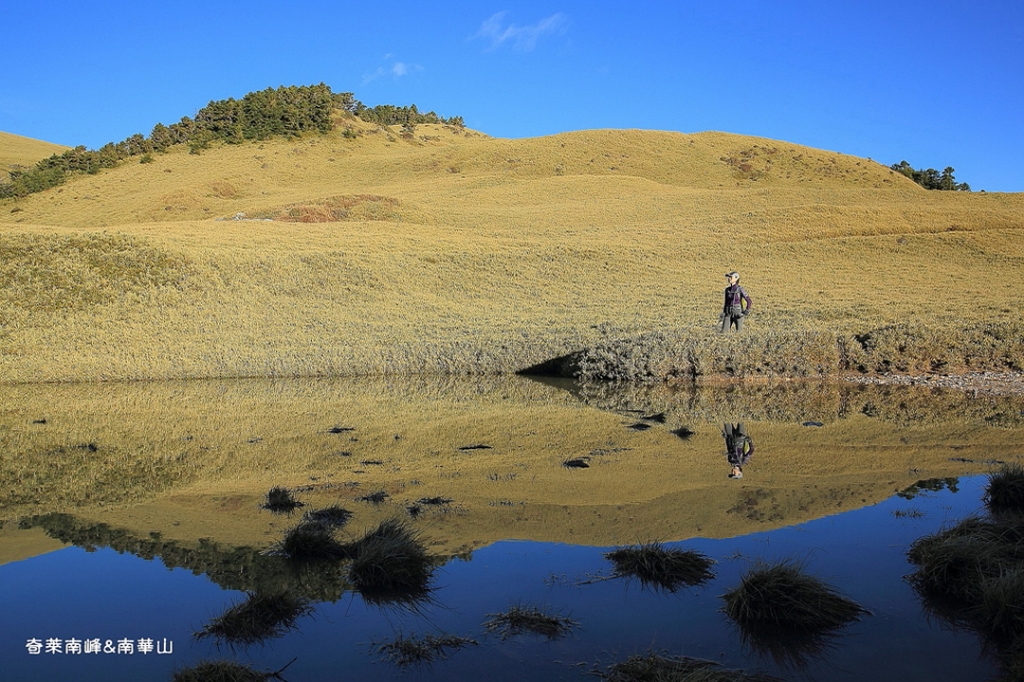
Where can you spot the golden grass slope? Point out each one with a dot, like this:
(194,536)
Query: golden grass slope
(23,152)
(451,251)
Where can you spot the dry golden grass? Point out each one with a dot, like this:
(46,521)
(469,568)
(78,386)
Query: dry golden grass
(457,252)
(23,152)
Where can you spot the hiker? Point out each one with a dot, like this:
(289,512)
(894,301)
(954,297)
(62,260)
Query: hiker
(738,448)
(733,311)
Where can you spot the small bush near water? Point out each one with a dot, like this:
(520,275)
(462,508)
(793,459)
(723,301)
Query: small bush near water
(259,617)
(660,567)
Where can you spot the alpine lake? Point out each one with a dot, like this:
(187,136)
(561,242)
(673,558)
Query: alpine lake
(135,518)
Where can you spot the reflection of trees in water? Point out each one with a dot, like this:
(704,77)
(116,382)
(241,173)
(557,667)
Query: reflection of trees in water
(796,401)
(932,485)
(245,569)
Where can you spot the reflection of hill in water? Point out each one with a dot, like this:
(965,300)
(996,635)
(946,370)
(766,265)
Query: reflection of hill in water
(798,401)
(231,567)
(193,460)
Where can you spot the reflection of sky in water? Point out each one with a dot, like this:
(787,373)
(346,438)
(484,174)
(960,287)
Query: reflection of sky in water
(102,594)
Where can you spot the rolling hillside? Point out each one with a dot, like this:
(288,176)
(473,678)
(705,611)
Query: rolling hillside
(23,152)
(373,250)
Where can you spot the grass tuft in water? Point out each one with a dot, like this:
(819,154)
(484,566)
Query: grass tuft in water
(390,564)
(522,619)
(259,617)
(781,596)
(653,667)
(1005,490)
(660,567)
(973,574)
(280,501)
(405,651)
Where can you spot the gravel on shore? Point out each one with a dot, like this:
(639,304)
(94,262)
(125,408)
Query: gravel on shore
(979,383)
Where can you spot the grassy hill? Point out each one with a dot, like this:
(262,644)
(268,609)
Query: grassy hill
(370,250)
(23,152)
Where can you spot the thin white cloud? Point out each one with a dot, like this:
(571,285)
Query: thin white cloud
(396,70)
(497,32)
(400,69)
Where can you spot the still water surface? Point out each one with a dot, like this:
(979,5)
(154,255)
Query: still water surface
(158,487)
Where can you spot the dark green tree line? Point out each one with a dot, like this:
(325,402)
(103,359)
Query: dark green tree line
(931,178)
(389,114)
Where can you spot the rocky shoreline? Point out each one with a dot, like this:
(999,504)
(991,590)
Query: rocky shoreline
(980,383)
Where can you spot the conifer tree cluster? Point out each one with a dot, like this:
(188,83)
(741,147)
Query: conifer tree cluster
(931,178)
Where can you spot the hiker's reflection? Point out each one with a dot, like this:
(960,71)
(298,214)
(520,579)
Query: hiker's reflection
(738,448)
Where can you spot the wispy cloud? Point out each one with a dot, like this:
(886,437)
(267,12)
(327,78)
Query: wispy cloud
(497,32)
(395,69)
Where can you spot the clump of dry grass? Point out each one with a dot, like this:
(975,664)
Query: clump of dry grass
(654,667)
(1005,489)
(972,575)
(974,572)
(782,596)
(405,651)
(259,617)
(787,615)
(521,619)
(660,567)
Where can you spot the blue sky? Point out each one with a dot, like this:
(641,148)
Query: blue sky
(937,83)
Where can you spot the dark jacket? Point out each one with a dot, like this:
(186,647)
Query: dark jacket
(733,295)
